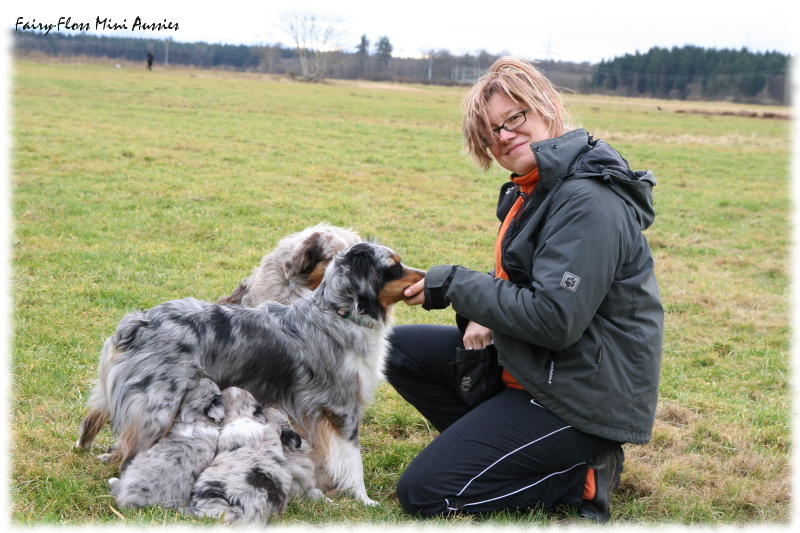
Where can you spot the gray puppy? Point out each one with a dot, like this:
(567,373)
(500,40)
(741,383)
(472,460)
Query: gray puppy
(165,473)
(261,464)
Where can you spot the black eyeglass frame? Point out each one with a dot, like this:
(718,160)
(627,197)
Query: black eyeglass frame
(496,131)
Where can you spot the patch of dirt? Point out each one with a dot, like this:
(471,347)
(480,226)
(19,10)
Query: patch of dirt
(746,114)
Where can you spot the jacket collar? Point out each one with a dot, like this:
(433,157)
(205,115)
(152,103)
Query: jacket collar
(557,157)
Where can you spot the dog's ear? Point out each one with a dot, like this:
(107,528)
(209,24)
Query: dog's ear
(290,438)
(306,257)
(365,280)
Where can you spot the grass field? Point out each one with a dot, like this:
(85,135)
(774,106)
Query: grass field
(133,187)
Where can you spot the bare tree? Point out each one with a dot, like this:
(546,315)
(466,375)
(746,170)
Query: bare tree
(268,56)
(317,38)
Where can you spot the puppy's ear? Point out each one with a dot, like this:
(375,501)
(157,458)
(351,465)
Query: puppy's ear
(258,413)
(290,438)
(215,409)
(306,258)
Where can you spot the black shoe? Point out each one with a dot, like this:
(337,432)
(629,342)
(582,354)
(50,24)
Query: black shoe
(607,471)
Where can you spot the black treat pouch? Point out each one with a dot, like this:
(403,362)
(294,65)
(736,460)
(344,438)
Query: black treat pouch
(478,375)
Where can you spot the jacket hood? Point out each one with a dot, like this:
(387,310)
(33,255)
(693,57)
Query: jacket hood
(575,155)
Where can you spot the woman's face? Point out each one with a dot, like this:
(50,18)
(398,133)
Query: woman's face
(511,149)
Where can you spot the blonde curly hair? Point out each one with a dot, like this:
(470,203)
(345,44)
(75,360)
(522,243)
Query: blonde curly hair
(521,81)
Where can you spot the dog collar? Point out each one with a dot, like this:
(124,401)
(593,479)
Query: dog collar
(359,320)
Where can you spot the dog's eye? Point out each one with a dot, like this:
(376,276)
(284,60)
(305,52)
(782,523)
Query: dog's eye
(394,272)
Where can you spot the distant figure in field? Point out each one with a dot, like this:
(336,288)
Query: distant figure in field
(150,60)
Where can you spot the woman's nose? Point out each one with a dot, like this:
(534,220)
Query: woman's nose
(504,135)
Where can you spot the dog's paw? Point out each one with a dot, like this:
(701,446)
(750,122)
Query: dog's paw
(111,455)
(368,502)
(113,481)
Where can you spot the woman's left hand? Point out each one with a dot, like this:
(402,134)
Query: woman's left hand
(476,336)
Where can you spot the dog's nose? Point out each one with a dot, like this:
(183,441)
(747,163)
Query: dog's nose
(419,273)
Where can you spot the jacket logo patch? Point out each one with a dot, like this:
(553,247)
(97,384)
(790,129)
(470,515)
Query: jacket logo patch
(570,281)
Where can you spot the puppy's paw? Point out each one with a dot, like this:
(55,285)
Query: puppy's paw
(316,494)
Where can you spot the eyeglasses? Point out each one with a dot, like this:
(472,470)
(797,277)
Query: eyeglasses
(513,122)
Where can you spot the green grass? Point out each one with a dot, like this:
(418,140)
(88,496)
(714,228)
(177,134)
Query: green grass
(133,187)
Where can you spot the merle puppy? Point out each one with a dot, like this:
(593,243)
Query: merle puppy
(259,467)
(165,473)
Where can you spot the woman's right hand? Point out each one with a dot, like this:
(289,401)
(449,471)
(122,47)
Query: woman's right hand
(415,294)
(476,336)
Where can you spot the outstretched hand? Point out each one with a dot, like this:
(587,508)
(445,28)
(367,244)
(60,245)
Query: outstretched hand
(415,294)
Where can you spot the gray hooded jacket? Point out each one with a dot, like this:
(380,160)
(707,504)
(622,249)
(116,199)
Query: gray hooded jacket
(579,323)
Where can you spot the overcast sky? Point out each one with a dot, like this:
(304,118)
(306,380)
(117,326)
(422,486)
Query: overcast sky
(575,30)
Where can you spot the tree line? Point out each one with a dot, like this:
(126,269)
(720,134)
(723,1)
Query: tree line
(686,73)
(692,72)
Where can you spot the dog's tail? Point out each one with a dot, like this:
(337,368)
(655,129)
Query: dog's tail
(144,417)
(237,295)
(90,427)
(99,408)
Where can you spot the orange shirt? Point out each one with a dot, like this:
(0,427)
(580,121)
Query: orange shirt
(526,184)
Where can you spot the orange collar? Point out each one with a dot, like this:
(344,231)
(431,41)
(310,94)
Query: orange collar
(527,182)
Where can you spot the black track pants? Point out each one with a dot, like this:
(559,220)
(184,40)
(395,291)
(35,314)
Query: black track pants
(507,453)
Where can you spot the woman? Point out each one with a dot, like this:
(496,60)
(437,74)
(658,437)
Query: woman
(572,308)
